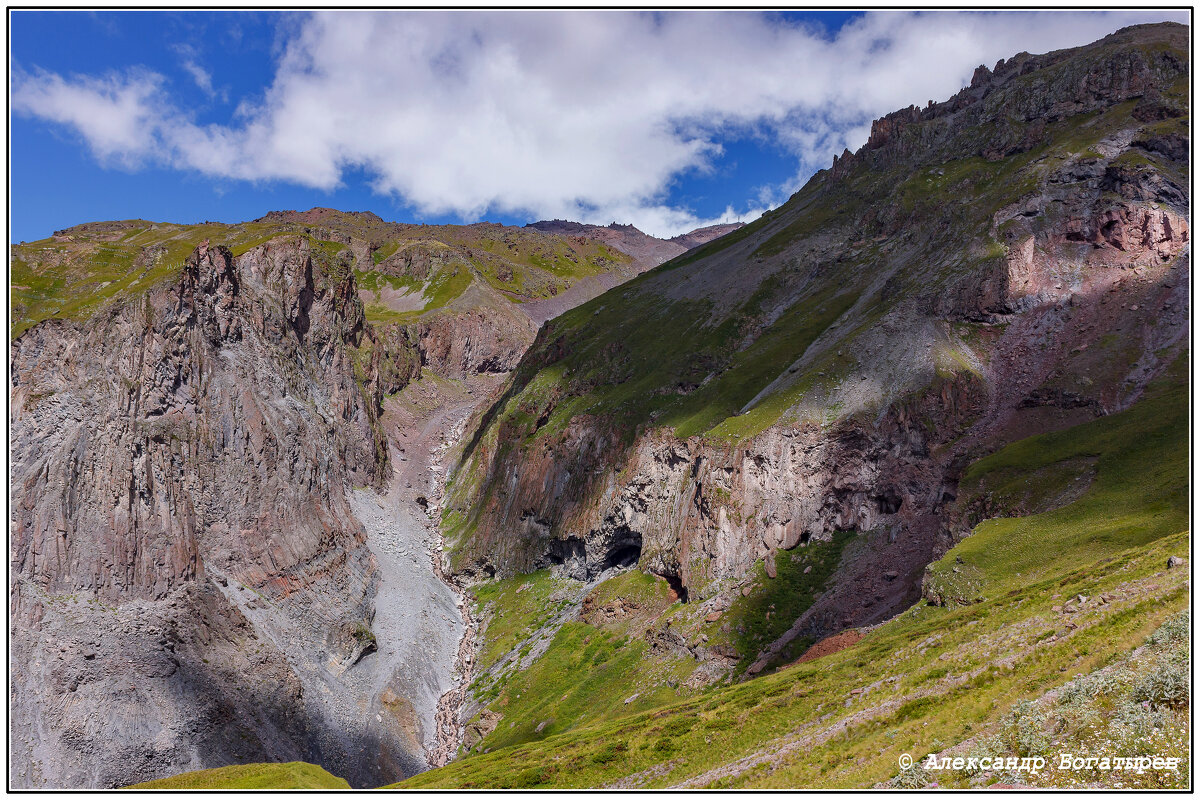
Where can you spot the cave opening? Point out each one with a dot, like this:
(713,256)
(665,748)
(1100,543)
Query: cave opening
(677,587)
(889,502)
(623,557)
(623,552)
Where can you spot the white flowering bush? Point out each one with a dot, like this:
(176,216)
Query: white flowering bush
(1176,630)
(1023,730)
(913,777)
(1167,684)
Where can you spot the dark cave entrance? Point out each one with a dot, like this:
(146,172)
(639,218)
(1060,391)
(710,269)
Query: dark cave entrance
(889,501)
(676,584)
(624,551)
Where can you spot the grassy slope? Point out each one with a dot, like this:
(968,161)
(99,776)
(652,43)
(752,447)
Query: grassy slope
(1135,706)
(915,685)
(71,277)
(588,671)
(515,609)
(437,292)
(591,668)
(934,675)
(293,775)
(1136,495)
(756,620)
(522,264)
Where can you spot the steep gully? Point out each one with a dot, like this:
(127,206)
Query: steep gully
(420,613)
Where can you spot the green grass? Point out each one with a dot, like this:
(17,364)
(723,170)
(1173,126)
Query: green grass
(988,649)
(587,671)
(1139,493)
(381,253)
(70,278)
(586,674)
(634,370)
(1136,704)
(374,281)
(442,288)
(756,620)
(756,367)
(634,586)
(515,608)
(73,290)
(528,265)
(660,364)
(293,775)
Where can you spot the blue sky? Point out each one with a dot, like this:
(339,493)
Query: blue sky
(668,120)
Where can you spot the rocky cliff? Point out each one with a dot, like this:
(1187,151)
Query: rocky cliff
(180,459)
(1010,261)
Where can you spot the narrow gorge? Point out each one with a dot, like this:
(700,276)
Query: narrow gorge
(571,506)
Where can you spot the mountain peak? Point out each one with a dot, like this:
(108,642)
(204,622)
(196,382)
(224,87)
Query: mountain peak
(646,250)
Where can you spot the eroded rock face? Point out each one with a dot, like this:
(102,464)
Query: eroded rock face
(180,462)
(479,339)
(702,515)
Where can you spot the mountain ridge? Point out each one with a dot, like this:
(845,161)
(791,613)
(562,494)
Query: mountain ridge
(647,250)
(1013,263)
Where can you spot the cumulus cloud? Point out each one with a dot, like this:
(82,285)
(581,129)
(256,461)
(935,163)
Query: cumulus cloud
(588,115)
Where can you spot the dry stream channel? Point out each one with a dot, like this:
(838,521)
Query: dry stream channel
(418,675)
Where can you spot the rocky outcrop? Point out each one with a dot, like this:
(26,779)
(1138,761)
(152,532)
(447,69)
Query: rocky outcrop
(477,339)
(186,571)
(419,260)
(701,515)
(1006,111)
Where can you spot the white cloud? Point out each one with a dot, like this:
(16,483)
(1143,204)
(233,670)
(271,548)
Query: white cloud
(586,115)
(115,113)
(200,76)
